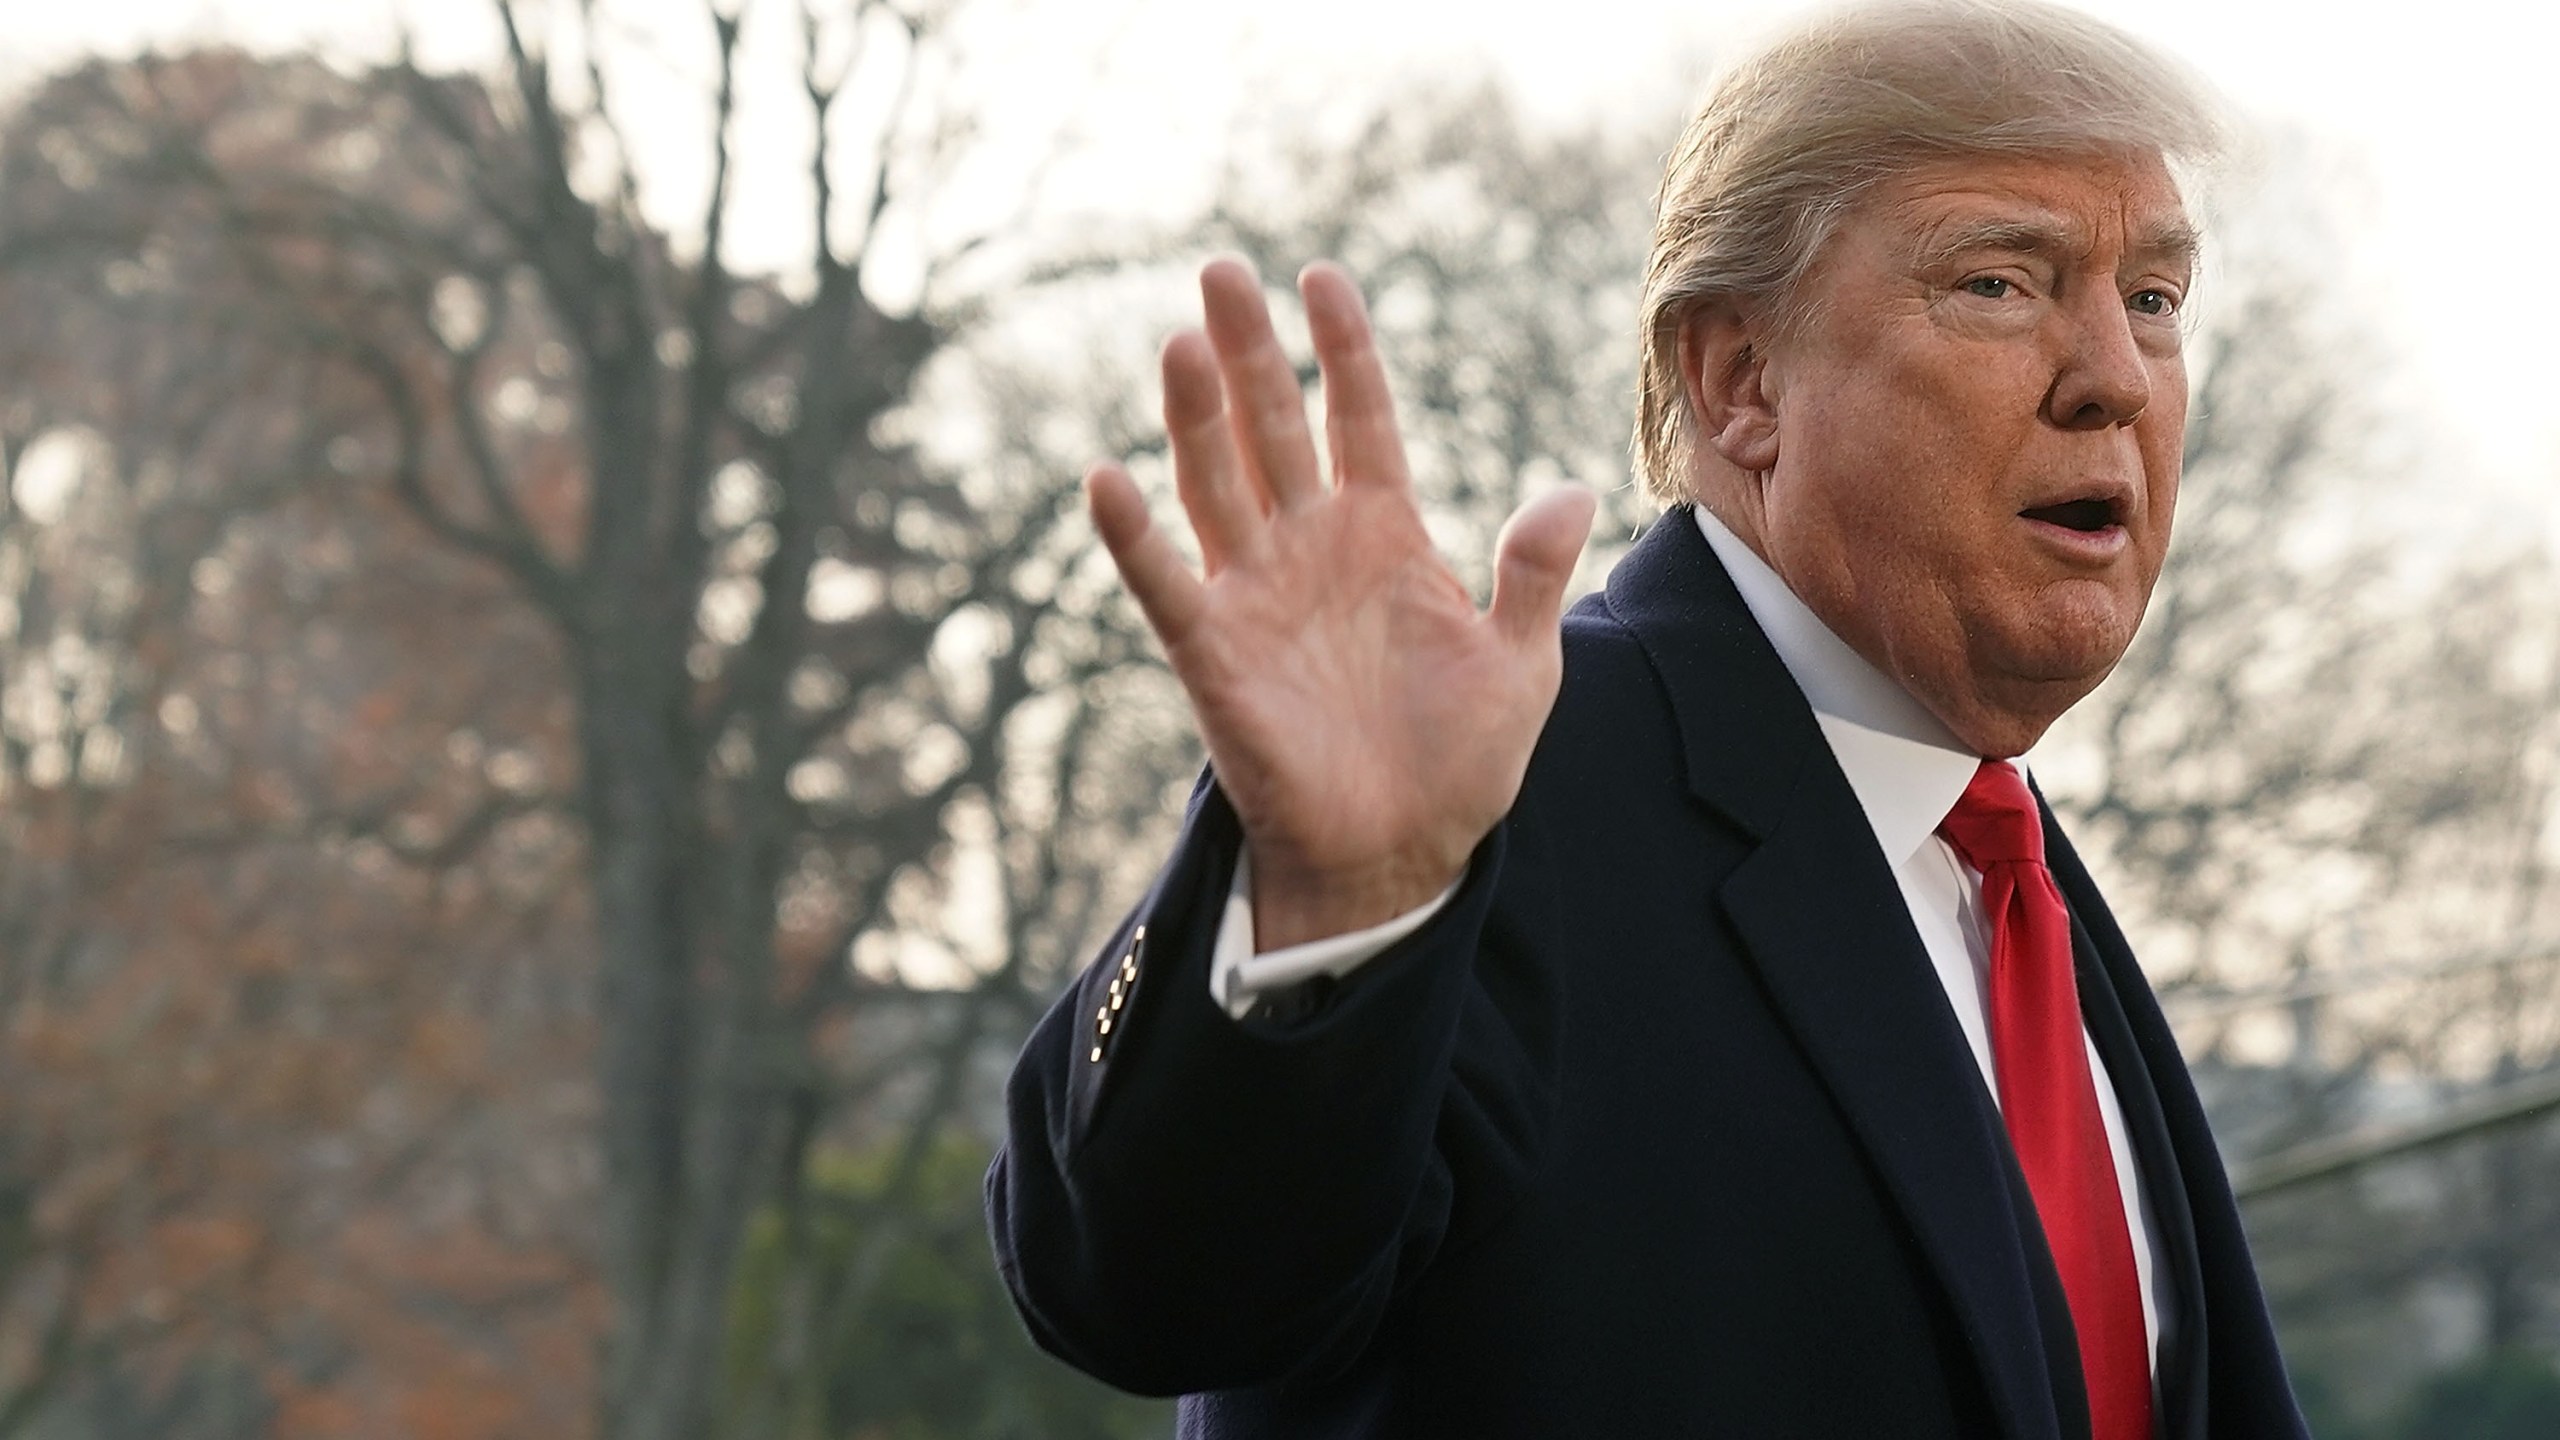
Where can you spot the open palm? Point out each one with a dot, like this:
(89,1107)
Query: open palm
(1368,723)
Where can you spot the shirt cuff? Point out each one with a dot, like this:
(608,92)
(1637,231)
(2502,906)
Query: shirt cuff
(1239,978)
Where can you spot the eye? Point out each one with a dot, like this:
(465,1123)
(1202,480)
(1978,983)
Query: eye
(2153,302)
(1989,287)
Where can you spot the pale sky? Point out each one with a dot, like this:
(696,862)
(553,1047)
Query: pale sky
(2450,109)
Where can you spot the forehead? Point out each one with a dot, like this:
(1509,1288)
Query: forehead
(2117,206)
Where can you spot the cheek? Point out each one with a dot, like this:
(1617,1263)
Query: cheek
(2163,455)
(1879,433)
(2164,504)
(2164,427)
(1894,493)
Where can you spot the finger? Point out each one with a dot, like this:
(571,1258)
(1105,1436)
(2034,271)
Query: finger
(1165,587)
(1225,511)
(1533,561)
(1264,405)
(1359,413)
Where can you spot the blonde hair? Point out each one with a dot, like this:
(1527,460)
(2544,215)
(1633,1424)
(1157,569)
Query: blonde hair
(1791,138)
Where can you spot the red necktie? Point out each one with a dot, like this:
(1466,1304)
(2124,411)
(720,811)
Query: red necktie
(2048,1099)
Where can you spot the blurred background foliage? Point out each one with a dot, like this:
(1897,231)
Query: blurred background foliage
(936,1351)
(542,779)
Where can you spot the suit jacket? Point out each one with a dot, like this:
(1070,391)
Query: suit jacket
(1662,1127)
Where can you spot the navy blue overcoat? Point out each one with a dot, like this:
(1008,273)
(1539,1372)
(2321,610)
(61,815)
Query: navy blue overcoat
(1663,1128)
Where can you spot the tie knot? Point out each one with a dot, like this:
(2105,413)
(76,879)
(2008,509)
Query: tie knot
(1996,819)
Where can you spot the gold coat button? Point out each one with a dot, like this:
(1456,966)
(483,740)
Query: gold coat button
(1123,984)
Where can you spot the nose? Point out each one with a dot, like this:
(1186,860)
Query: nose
(2102,379)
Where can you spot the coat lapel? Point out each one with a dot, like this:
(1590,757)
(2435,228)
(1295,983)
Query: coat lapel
(1823,923)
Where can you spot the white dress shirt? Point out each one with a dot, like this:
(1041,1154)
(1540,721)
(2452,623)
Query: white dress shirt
(1907,770)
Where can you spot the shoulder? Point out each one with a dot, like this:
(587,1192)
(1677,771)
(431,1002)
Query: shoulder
(1599,644)
(1606,667)
(1611,710)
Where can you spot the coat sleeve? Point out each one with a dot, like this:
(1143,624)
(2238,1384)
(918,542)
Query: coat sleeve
(1188,1202)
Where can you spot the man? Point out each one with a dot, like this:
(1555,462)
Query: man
(1725,1043)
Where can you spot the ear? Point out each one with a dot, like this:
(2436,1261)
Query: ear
(1724,362)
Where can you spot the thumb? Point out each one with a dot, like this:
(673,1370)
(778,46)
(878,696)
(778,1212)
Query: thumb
(1534,559)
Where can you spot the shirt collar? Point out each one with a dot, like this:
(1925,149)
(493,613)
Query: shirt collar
(1905,766)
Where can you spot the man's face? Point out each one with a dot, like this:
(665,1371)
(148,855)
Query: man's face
(1974,434)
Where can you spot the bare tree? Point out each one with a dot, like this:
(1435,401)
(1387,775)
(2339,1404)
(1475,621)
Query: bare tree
(792,663)
(828,737)
(1502,267)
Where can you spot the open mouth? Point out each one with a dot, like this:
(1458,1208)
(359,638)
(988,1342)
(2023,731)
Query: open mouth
(2085,516)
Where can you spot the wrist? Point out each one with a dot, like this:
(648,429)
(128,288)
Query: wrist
(1294,905)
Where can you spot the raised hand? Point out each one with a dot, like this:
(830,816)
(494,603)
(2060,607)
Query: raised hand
(1369,724)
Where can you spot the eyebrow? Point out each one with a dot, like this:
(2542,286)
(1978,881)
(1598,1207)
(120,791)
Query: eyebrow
(2171,242)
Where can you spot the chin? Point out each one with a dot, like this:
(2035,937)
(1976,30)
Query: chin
(2067,644)
(2016,697)
(2077,668)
